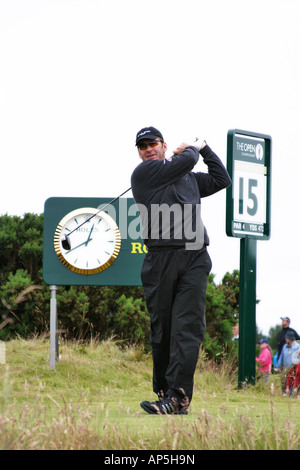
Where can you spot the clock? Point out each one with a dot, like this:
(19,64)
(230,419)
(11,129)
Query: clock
(95,243)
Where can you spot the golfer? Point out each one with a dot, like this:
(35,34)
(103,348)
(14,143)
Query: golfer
(175,269)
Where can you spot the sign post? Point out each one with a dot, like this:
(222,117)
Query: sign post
(248,207)
(247,312)
(53,327)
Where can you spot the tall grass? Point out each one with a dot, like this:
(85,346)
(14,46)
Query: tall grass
(91,401)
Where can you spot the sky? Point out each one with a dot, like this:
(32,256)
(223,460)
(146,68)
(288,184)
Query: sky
(79,78)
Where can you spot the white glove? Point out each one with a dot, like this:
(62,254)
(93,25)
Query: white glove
(196,143)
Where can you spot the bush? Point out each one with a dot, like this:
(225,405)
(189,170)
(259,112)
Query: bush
(131,321)
(24,303)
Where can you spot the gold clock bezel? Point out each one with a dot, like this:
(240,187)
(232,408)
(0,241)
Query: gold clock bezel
(92,211)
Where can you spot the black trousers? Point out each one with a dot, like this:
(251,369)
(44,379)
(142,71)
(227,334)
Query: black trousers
(174,283)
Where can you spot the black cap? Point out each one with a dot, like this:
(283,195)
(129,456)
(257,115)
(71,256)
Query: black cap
(148,133)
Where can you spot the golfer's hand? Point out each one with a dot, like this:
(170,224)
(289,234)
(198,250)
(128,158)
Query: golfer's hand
(195,144)
(180,148)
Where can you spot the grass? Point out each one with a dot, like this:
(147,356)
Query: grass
(91,401)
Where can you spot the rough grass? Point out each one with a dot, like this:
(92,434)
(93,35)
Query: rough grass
(91,401)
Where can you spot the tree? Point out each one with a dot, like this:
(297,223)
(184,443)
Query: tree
(221,312)
(21,245)
(272,336)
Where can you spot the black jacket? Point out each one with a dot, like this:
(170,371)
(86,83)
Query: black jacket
(172,182)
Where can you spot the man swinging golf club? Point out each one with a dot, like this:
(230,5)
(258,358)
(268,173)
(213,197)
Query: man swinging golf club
(175,269)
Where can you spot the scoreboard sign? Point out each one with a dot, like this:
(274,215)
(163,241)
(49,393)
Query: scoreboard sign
(248,198)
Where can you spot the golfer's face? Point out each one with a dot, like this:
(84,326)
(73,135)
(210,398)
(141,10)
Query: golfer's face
(152,150)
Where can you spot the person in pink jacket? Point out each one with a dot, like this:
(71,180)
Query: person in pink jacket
(264,359)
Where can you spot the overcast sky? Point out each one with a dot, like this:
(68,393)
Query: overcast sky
(79,78)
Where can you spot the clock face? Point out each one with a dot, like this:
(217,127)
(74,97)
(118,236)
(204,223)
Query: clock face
(94,245)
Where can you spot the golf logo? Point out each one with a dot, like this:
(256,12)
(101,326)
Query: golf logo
(143,133)
(259,152)
(249,151)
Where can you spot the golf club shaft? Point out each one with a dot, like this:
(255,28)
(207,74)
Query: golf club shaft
(102,209)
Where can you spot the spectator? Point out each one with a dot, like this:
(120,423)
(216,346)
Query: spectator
(285,361)
(281,335)
(264,359)
(275,360)
(293,376)
(235,332)
(296,384)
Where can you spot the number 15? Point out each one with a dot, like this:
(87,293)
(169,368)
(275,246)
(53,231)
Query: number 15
(250,197)
(252,183)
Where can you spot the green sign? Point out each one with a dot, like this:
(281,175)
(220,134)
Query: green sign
(89,261)
(248,205)
(248,198)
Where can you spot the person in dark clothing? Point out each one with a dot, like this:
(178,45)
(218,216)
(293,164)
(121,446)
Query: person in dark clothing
(174,274)
(282,333)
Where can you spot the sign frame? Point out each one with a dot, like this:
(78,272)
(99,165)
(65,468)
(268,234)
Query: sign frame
(248,199)
(125,271)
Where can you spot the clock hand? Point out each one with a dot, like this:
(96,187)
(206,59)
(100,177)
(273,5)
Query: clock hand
(84,243)
(89,237)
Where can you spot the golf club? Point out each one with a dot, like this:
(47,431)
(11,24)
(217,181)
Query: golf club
(65,241)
